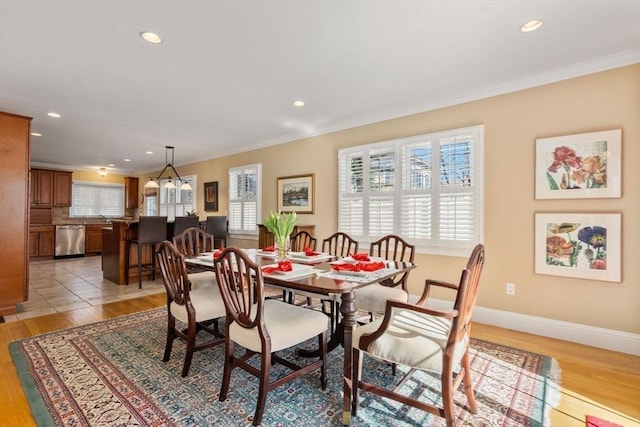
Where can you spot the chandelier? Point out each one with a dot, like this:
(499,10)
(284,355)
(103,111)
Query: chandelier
(155,182)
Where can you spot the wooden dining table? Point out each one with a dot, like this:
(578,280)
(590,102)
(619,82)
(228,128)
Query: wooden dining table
(315,275)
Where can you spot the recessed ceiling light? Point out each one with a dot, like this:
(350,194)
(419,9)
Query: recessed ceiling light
(532,25)
(150,37)
(52,114)
(298,103)
(36,134)
(111,165)
(127,160)
(149,152)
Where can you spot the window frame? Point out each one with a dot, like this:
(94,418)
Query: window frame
(73,214)
(355,208)
(191,179)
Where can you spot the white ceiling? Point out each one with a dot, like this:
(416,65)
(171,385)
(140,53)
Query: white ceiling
(226,75)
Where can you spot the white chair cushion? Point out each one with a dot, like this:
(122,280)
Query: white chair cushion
(412,339)
(202,279)
(286,324)
(207,302)
(373,298)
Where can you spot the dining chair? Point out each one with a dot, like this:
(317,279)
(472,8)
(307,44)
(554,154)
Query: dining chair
(190,243)
(150,232)
(424,339)
(181,223)
(373,298)
(217,225)
(302,240)
(340,245)
(263,327)
(194,307)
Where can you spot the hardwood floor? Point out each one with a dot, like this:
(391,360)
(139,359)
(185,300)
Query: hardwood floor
(594,381)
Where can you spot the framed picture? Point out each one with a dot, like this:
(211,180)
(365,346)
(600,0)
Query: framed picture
(585,165)
(211,196)
(296,193)
(582,245)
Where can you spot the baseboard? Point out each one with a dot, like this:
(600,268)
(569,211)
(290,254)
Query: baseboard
(609,339)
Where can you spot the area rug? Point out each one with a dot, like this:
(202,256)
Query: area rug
(111,373)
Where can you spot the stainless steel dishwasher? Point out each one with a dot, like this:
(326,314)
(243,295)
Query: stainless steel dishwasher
(69,241)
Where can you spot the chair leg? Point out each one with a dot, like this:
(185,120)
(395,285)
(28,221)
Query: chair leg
(127,253)
(228,366)
(468,386)
(447,395)
(356,374)
(171,335)
(191,344)
(322,346)
(153,261)
(264,384)
(139,266)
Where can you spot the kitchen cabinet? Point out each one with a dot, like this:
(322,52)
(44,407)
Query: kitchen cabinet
(93,239)
(50,188)
(62,188)
(130,192)
(41,241)
(15,147)
(41,188)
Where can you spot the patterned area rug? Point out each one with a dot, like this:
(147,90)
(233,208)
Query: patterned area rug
(111,373)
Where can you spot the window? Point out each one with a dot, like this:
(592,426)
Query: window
(427,189)
(175,202)
(245,193)
(94,199)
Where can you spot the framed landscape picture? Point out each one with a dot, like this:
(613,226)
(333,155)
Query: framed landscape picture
(211,196)
(296,193)
(582,245)
(579,166)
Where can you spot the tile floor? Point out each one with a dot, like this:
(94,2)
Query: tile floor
(73,283)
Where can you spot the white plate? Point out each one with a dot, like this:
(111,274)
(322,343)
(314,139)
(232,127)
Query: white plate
(303,256)
(266,254)
(349,260)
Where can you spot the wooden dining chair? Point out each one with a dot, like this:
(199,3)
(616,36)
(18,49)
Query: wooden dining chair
(373,298)
(190,243)
(302,240)
(424,339)
(340,245)
(263,327)
(195,307)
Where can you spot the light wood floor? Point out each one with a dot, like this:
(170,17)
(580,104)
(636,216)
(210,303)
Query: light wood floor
(594,381)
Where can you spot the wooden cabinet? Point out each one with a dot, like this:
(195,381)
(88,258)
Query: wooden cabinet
(14,210)
(93,239)
(41,194)
(265,238)
(41,241)
(130,192)
(62,188)
(50,188)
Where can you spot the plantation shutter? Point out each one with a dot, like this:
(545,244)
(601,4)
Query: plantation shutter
(244,194)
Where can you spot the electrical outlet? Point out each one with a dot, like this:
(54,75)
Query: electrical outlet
(511,288)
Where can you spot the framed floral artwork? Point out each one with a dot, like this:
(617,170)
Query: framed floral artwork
(585,165)
(582,245)
(296,193)
(211,196)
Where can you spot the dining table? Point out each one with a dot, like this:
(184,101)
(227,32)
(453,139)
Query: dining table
(323,275)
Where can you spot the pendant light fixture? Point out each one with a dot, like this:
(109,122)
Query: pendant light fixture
(155,182)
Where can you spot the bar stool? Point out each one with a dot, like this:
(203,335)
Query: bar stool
(181,223)
(151,231)
(217,225)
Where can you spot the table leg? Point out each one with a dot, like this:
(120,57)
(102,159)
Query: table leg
(348,310)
